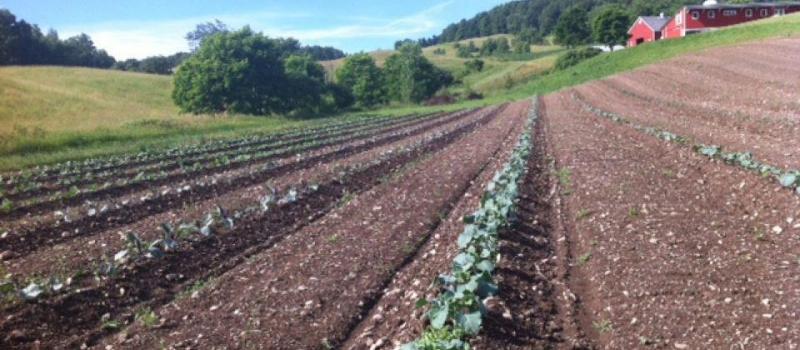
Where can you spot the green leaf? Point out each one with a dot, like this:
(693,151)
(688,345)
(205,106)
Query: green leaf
(789,179)
(438,315)
(485,266)
(470,323)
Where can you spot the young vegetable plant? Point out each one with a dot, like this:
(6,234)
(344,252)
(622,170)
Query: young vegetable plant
(458,311)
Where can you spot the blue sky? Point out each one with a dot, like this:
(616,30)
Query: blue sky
(144,28)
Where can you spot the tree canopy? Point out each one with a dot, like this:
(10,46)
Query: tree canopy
(610,26)
(411,77)
(573,27)
(24,44)
(237,72)
(363,79)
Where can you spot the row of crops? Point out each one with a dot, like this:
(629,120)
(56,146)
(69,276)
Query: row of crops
(125,206)
(789,179)
(170,171)
(26,185)
(458,312)
(186,232)
(151,265)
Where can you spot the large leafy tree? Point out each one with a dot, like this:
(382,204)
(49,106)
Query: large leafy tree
(361,76)
(236,72)
(203,31)
(411,77)
(610,27)
(573,27)
(306,82)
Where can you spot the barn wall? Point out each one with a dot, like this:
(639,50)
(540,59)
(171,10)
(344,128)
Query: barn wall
(672,30)
(640,30)
(720,20)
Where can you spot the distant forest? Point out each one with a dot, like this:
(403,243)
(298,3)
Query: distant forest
(22,43)
(541,16)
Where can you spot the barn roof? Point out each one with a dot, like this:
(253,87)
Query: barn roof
(742,6)
(656,23)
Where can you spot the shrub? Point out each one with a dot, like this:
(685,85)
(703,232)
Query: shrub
(363,79)
(237,72)
(573,57)
(474,65)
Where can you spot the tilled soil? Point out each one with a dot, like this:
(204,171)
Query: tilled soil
(309,290)
(76,318)
(672,250)
(534,309)
(89,250)
(394,319)
(157,200)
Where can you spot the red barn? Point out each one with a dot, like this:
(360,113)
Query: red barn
(709,16)
(647,29)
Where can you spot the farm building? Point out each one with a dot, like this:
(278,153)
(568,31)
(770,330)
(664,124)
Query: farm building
(710,15)
(647,29)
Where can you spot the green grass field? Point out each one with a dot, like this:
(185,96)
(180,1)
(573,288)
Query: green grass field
(51,114)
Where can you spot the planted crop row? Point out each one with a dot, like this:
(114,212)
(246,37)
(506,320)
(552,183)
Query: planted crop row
(68,184)
(789,179)
(70,168)
(115,215)
(151,278)
(458,311)
(216,165)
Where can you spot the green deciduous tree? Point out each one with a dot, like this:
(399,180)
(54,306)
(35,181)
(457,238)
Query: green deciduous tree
(411,77)
(236,72)
(610,26)
(361,76)
(573,27)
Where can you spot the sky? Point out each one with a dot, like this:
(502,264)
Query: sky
(142,28)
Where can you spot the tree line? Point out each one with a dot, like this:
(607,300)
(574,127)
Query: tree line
(22,43)
(539,16)
(246,72)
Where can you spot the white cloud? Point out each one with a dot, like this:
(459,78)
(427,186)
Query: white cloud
(139,39)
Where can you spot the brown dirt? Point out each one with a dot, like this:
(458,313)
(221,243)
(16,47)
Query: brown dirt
(76,318)
(394,320)
(533,309)
(89,250)
(774,146)
(672,250)
(312,287)
(161,199)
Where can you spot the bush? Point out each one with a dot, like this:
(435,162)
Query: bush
(410,77)
(573,57)
(235,72)
(474,65)
(363,79)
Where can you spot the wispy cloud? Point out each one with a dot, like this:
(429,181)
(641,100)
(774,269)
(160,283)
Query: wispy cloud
(138,39)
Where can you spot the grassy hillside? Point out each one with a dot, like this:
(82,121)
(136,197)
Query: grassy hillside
(497,71)
(50,114)
(79,99)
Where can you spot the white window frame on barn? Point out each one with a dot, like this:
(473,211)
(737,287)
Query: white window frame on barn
(729,13)
(711,14)
(695,15)
(748,13)
(764,12)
